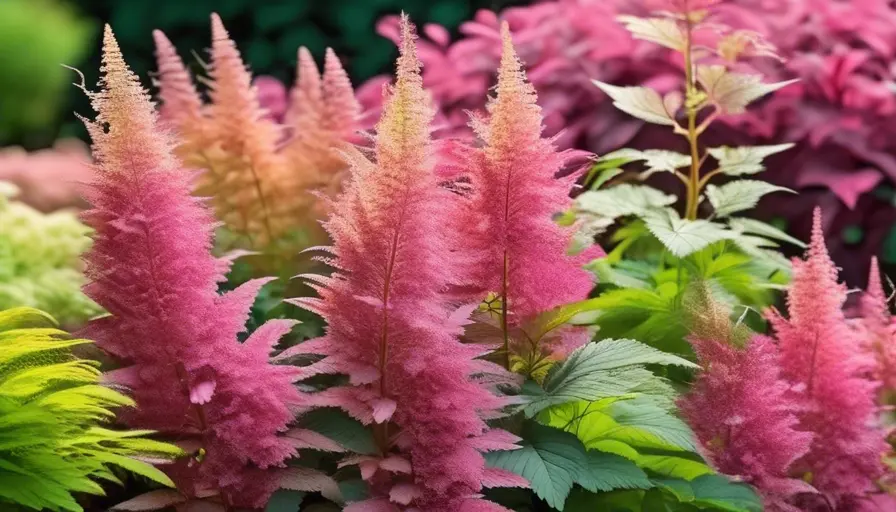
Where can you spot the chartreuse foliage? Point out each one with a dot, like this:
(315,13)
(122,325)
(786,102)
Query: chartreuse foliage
(52,410)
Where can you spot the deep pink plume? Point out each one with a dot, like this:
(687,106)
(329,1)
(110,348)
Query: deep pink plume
(390,327)
(151,269)
(820,355)
(745,418)
(878,330)
(520,252)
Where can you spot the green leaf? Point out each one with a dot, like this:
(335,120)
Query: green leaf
(552,460)
(622,200)
(340,427)
(739,195)
(717,491)
(656,160)
(662,31)
(683,237)
(607,472)
(732,92)
(641,102)
(603,175)
(744,160)
(600,370)
(285,501)
(746,225)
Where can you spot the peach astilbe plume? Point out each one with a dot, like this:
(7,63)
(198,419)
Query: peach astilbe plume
(519,252)
(390,326)
(180,106)
(820,356)
(323,116)
(151,269)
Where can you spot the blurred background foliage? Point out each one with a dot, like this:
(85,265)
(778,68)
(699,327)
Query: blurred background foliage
(36,96)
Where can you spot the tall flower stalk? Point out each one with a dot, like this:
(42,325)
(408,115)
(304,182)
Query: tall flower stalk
(175,336)
(392,329)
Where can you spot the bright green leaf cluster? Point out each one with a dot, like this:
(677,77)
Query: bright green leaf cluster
(52,411)
(39,261)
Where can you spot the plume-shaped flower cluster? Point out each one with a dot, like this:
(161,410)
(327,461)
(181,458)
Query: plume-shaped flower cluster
(260,187)
(48,179)
(510,235)
(840,114)
(745,419)
(39,265)
(151,269)
(820,356)
(390,326)
(879,331)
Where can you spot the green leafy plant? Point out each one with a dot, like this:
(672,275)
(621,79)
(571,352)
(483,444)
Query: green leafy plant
(39,260)
(53,441)
(657,251)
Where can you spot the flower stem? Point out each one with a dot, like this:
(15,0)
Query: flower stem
(693,185)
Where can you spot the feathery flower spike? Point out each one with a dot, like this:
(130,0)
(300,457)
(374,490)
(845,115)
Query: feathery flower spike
(151,269)
(180,104)
(820,356)
(745,420)
(390,327)
(522,253)
(879,331)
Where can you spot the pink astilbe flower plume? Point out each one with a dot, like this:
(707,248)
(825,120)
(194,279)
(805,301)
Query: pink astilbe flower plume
(820,356)
(522,254)
(390,327)
(180,106)
(744,419)
(151,269)
(879,331)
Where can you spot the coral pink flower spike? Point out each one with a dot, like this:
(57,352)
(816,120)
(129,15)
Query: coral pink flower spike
(151,269)
(820,356)
(390,327)
(744,418)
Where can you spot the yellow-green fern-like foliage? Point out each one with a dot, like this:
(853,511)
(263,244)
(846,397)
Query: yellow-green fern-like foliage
(39,260)
(53,441)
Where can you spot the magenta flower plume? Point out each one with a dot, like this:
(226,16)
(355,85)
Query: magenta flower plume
(151,269)
(820,355)
(744,418)
(519,252)
(390,327)
(878,330)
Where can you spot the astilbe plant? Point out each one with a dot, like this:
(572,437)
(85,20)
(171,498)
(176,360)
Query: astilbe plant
(175,336)
(391,328)
(260,184)
(821,357)
(878,332)
(54,416)
(39,265)
(742,411)
(48,178)
(511,238)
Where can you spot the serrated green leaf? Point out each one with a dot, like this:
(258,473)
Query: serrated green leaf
(744,160)
(641,102)
(731,92)
(662,31)
(340,427)
(607,472)
(719,492)
(285,500)
(739,195)
(622,200)
(600,370)
(551,459)
(746,225)
(683,237)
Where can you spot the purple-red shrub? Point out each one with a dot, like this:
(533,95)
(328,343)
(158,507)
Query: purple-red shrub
(390,327)
(175,336)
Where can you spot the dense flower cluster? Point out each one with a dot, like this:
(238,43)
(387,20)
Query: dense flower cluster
(175,336)
(841,114)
